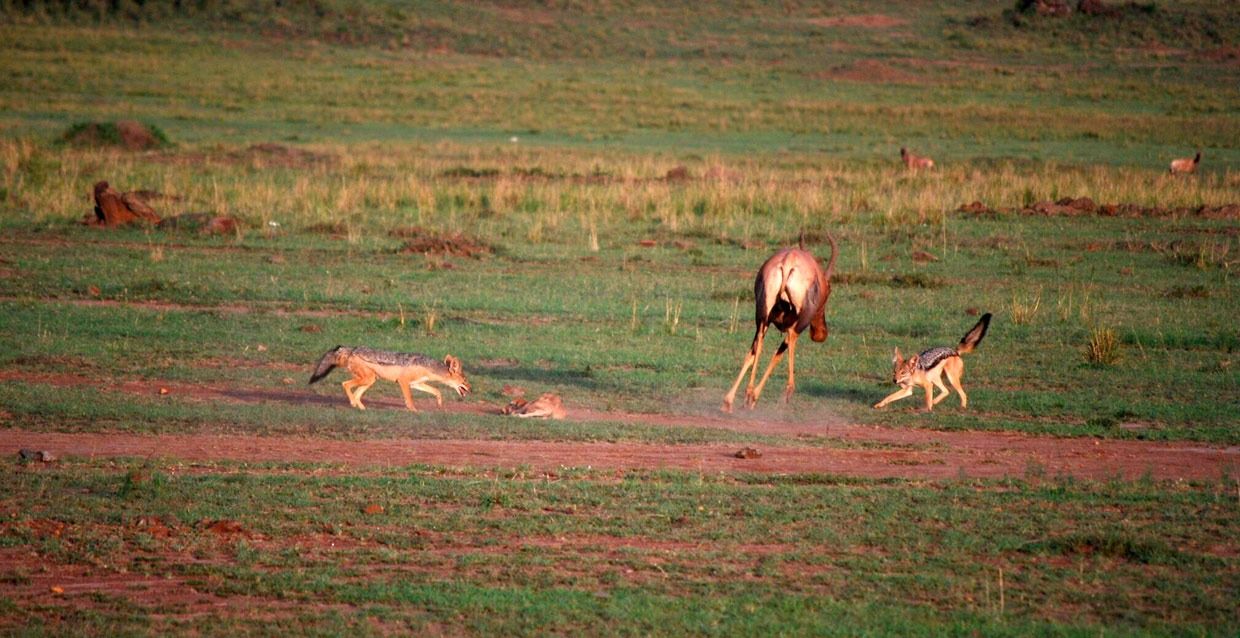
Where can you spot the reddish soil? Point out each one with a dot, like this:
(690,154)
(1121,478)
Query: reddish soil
(868,451)
(865,20)
(870,72)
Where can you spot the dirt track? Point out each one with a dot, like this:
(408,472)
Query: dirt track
(902,453)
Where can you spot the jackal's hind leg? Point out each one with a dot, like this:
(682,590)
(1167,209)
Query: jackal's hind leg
(953,375)
(938,381)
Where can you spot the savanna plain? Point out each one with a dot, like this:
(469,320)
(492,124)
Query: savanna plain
(575,198)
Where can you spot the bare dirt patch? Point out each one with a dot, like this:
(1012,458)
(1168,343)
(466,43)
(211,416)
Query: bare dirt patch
(923,454)
(425,242)
(868,71)
(1084,206)
(1224,55)
(949,455)
(267,154)
(862,20)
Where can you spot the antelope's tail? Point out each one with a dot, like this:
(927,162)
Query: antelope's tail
(326,364)
(835,251)
(972,338)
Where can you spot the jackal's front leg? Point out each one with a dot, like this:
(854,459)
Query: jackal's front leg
(348,392)
(404,390)
(929,395)
(894,396)
(429,390)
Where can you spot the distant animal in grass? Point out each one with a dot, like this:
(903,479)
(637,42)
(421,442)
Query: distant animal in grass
(547,406)
(926,368)
(1186,165)
(408,370)
(914,162)
(117,209)
(790,293)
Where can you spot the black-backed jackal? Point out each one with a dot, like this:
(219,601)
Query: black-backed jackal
(926,369)
(408,370)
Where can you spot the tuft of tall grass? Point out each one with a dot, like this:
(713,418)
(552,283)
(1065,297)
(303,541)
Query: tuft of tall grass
(1025,310)
(1103,348)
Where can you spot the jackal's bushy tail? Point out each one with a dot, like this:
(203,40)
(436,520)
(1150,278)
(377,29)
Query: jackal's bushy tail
(974,336)
(326,364)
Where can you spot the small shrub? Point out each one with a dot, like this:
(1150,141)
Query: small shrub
(1024,310)
(1103,347)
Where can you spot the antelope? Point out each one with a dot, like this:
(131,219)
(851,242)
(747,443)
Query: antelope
(790,293)
(1185,165)
(915,161)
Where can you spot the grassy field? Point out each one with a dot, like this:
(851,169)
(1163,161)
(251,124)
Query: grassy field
(606,181)
(575,551)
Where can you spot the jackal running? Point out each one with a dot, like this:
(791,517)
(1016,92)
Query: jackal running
(408,370)
(926,368)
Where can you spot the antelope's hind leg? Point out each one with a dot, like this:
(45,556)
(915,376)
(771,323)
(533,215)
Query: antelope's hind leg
(757,392)
(751,359)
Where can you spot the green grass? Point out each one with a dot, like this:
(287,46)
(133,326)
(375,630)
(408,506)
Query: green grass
(664,553)
(658,329)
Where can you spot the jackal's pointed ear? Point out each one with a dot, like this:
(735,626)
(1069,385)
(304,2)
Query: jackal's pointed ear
(912,361)
(895,360)
(454,364)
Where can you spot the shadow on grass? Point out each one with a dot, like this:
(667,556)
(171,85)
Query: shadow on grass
(846,394)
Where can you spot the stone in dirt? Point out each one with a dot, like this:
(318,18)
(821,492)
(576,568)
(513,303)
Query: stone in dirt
(748,453)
